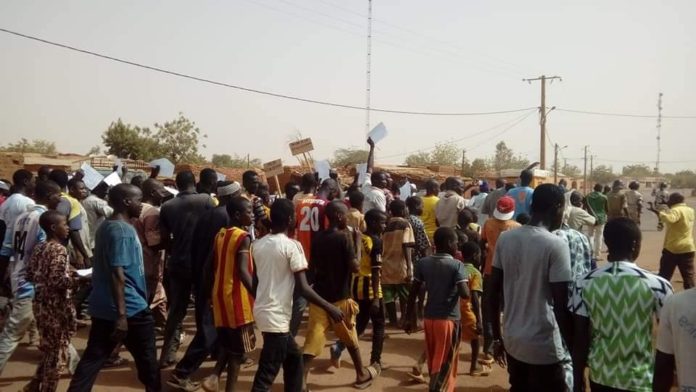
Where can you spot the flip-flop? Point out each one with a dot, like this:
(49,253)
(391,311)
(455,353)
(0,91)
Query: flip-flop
(365,384)
(419,378)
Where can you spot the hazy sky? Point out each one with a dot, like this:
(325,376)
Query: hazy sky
(441,56)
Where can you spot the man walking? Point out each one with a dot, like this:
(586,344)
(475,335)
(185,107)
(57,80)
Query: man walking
(118,303)
(678,251)
(597,206)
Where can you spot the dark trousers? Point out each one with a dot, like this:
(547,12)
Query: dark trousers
(180,282)
(140,341)
(487,317)
(202,342)
(299,304)
(594,387)
(279,350)
(526,377)
(365,314)
(684,261)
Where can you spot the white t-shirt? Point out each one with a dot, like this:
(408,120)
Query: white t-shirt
(374,197)
(677,335)
(277,258)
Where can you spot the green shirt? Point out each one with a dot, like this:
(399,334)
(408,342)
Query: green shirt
(598,204)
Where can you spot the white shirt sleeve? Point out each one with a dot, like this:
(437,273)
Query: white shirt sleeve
(296,257)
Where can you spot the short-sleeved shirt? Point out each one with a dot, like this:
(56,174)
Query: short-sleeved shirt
(233,306)
(70,208)
(117,245)
(356,219)
(421,237)
(475,283)
(11,209)
(397,234)
(448,207)
(375,198)
(277,259)
(620,299)
(333,253)
(580,250)
(679,227)
(634,199)
(532,258)
(310,219)
(441,274)
(370,262)
(178,218)
(27,234)
(677,335)
(490,233)
(492,200)
(98,211)
(429,217)
(616,203)
(597,202)
(523,200)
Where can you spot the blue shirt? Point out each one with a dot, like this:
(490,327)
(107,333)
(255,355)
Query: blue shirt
(117,245)
(523,200)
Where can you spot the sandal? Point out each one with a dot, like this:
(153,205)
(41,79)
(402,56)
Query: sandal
(365,384)
(480,371)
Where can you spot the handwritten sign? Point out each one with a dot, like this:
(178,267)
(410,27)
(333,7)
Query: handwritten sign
(301,146)
(273,168)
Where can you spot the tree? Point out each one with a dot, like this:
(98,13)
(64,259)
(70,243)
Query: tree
(443,154)
(478,167)
(349,156)
(637,171)
(505,158)
(96,150)
(603,174)
(129,141)
(36,146)
(682,179)
(571,170)
(178,140)
(226,160)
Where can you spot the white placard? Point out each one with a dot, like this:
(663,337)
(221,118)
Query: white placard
(92,177)
(405,191)
(166,167)
(322,168)
(112,179)
(361,168)
(378,133)
(220,176)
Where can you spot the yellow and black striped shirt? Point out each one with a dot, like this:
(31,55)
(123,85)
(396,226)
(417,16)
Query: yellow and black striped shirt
(370,262)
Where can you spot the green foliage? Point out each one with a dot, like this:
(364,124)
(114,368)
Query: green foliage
(478,167)
(349,156)
(176,140)
(443,154)
(37,146)
(682,179)
(637,171)
(96,150)
(505,158)
(226,160)
(603,174)
(571,170)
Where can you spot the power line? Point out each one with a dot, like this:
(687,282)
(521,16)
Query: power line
(251,90)
(512,123)
(619,114)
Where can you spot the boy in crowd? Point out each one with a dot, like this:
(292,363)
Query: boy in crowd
(233,288)
(397,268)
(50,271)
(280,269)
(367,290)
(614,310)
(422,246)
(471,307)
(432,189)
(355,217)
(445,282)
(333,262)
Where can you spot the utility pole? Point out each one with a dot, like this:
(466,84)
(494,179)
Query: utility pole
(591,165)
(542,116)
(584,175)
(555,163)
(368,89)
(463,160)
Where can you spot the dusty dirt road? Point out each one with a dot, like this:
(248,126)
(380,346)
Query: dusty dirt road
(400,352)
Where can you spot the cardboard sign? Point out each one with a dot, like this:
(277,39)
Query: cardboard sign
(301,146)
(273,168)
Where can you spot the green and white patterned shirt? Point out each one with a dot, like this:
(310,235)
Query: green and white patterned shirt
(620,300)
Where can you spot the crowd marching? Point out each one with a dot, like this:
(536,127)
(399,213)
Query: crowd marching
(518,273)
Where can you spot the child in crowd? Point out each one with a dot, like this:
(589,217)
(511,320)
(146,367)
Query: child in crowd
(397,268)
(355,217)
(53,306)
(366,289)
(471,308)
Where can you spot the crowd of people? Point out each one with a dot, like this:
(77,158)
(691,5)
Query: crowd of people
(515,272)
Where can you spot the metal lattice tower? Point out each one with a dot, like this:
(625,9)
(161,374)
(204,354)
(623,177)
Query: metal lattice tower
(659,132)
(369,66)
